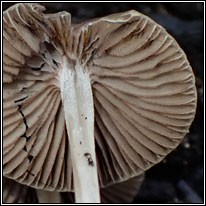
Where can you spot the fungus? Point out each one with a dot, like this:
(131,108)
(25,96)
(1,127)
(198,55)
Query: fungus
(123,192)
(93,104)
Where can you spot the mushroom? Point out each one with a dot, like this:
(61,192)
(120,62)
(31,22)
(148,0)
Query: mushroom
(123,192)
(89,105)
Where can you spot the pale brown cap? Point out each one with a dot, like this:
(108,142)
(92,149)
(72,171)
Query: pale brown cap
(143,89)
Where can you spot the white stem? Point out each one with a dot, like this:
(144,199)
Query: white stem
(48,197)
(78,105)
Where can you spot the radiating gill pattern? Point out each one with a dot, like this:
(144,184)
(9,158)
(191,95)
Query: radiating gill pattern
(35,147)
(143,89)
(144,95)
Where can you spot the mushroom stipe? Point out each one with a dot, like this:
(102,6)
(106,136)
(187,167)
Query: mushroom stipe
(90,105)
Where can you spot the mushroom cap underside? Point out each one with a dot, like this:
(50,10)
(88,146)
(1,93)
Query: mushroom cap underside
(143,89)
(124,192)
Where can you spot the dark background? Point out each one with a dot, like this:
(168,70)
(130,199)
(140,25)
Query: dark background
(179,178)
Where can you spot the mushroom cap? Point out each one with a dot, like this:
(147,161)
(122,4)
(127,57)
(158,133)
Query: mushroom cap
(143,89)
(123,192)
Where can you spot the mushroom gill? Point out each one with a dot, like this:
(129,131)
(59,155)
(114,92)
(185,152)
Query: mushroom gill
(119,82)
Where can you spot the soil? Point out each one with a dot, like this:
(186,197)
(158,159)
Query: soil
(179,178)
